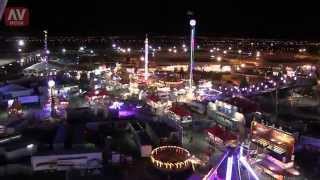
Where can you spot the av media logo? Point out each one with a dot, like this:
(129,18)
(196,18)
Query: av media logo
(16,16)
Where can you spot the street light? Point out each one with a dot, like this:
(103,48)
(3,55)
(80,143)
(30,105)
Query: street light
(193,22)
(258,54)
(64,50)
(51,83)
(30,146)
(21,43)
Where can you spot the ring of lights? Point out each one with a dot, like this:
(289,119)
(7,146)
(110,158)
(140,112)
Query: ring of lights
(171,158)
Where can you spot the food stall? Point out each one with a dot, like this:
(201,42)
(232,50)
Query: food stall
(278,149)
(217,135)
(225,115)
(180,114)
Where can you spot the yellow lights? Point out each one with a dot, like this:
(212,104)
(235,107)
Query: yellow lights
(243,65)
(173,67)
(219,58)
(170,163)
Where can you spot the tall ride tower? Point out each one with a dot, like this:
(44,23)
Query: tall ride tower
(193,28)
(146,60)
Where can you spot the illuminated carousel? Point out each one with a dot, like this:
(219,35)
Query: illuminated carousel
(171,158)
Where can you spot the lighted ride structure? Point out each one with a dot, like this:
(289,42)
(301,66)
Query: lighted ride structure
(3,4)
(232,166)
(171,158)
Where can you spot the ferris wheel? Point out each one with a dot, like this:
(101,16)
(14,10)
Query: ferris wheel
(3,4)
(233,166)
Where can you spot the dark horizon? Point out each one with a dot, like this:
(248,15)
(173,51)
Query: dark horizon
(229,18)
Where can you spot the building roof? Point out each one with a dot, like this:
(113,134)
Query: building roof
(6,61)
(42,66)
(11,87)
(153,98)
(221,133)
(180,111)
(268,164)
(245,105)
(99,92)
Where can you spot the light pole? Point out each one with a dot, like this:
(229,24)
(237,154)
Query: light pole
(146,56)
(21,43)
(45,44)
(51,84)
(193,27)
(277,102)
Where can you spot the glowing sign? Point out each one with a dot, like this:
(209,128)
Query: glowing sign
(16,16)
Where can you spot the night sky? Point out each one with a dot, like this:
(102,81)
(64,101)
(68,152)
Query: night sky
(241,18)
